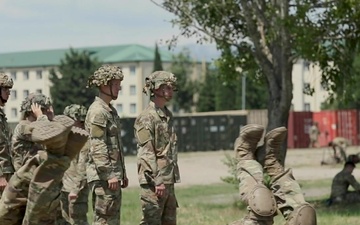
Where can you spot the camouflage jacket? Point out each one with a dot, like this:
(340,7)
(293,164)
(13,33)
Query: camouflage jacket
(106,155)
(341,183)
(75,177)
(157,150)
(6,166)
(22,148)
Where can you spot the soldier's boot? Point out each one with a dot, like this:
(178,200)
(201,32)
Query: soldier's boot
(273,141)
(261,202)
(76,141)
(245,144)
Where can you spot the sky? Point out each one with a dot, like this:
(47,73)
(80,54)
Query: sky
(51,24)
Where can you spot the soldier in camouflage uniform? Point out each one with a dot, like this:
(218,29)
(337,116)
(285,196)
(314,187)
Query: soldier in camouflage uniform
(106,173)
(341,183)
(157,152)
(32,194)
(284,193)
(75,191)
(35,107)
(6,166)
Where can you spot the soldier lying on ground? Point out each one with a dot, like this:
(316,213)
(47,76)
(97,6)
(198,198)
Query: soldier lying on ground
(284,193)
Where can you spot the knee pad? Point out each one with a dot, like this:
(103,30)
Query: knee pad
(262,202)
(303,215)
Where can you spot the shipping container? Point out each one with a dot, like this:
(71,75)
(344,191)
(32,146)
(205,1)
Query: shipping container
(298,129)
(327,123)
(347,125)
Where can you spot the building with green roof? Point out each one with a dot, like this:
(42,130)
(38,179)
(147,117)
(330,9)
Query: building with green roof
(30,71)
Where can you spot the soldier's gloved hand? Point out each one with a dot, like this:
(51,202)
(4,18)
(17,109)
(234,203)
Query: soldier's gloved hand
(160,190)
(36,109)
(113,184)
(3,183)
(72,196)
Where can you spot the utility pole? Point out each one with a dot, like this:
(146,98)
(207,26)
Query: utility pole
(243,91)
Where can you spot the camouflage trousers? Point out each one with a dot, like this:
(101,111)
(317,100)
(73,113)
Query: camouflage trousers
(284,187)
(73,212)
(106,203)
(158,211)
(349,198)
(32,195)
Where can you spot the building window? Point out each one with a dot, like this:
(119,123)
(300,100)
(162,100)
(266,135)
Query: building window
(119,108)
(132,90)
(13,95)
(39,91)
(39,74)
(14,112)
(13,75)
(306,106)
(26,75)
(132,70)
(133,108)
(25,93)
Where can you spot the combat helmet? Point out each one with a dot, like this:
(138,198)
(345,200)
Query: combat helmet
(105,74)
(75,112)
(5,81)
(38,98)
(156,79)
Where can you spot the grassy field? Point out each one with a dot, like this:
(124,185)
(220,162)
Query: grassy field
(217,205)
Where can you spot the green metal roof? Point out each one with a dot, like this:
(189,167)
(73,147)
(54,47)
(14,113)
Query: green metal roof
(105,54)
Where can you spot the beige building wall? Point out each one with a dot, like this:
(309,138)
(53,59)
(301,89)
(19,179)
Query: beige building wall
(307,74)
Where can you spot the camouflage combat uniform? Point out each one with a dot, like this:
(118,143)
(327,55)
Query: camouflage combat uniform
(314,133)
(23,148)
(74,180)
(340,185)
(32,195)
(157,158)
(284,193)
(106,156)
(6,166)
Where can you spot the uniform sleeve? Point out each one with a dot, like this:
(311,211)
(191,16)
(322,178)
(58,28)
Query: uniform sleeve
(80,178)
(146,154)
(352,181)
(98,148)
(6,166)
(17,154)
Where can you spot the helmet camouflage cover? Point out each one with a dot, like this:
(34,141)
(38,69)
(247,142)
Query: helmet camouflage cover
(38,98)
(75,112)
(105,74)
(5,81)
(157,78)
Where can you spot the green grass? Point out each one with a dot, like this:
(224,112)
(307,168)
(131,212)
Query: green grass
(218,205)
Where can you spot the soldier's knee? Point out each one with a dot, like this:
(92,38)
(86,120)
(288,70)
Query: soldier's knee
(303,215)
(262,203)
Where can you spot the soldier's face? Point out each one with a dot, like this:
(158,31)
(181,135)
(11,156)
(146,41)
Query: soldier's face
(5,93)
(165,91)
(115,86)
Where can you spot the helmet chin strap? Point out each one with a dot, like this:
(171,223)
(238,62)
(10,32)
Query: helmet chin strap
(111,93)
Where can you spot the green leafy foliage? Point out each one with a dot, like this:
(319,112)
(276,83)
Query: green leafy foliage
(69,80)
(182,68)
(157,60)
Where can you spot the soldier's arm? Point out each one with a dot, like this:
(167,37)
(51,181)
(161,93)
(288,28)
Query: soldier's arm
(80,177)
(98,148)
(146,154)
(6,166)
(352,181)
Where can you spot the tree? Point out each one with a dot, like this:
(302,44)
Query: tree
(157,59)
(269,36)
(70,78)
(181,67)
